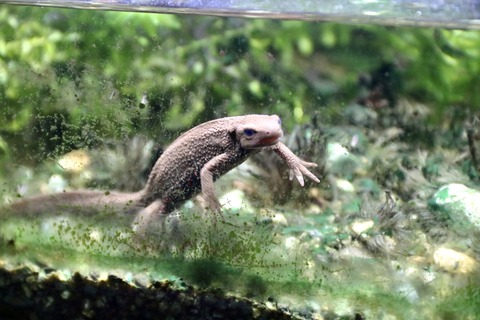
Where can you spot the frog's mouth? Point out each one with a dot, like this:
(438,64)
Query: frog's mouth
(270,141)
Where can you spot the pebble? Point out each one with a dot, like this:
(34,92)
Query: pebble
(460,203)
(361,226)
(453,261)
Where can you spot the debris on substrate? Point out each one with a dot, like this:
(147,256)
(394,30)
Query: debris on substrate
(27,295)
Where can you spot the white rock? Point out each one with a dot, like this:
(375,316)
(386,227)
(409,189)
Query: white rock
(291,242)
(462,204)
(359,227)
(57,183)
(235,200)
(335,152)
(345,185)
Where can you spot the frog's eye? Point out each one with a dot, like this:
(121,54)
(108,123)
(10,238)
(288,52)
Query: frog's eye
(279,121)
(249,132)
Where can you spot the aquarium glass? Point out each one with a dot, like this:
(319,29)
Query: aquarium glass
(389,113)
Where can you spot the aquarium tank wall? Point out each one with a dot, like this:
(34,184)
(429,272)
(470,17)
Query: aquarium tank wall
(253,160)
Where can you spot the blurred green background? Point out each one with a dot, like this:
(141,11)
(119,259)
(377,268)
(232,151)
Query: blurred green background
(70,79)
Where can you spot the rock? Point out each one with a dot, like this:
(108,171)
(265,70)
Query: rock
(291,243)
(340,161)
(75,161)
(460,203)
(351,252)
(344,185)
(279,219)
(454,261)
(235,200)
(361,226)
(407,291)
(57,183)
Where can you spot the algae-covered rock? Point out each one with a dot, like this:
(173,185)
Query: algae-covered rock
(460,203)
(340,161)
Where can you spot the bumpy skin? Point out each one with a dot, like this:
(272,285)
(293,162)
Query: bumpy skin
(188,166)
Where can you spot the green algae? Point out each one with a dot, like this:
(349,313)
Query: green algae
(246,258)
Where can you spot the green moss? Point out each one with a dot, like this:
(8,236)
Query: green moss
(462,303)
